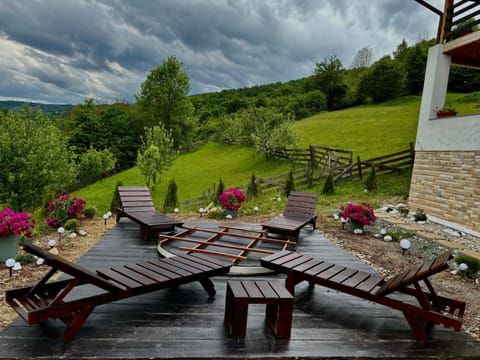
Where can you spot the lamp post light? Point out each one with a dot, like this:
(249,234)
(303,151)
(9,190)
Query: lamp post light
(10,263)
(405,245)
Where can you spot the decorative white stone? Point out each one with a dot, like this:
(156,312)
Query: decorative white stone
(17,266)
(401,206)
(72,235)
(383,231)
(82,233)
(387,238)
(229,217)
(40,261)
(421,222)
(358,231)
(453,232)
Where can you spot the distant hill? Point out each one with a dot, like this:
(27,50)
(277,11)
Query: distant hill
(46,108)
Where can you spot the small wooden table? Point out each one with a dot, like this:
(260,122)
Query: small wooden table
(279,301)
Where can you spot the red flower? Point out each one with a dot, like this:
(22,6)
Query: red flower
(358,214)
(232,199)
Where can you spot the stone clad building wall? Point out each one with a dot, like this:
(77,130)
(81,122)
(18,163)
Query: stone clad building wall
(446,184)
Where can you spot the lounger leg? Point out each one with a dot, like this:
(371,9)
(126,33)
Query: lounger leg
(75,323)
(208,286)
(418,326)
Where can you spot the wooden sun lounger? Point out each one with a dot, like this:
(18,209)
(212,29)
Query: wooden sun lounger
(36,304)
(137,205)
(299,212)
(431,308)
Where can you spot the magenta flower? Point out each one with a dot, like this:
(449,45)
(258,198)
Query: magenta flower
(18,223)
(358,214)
(64,207)
(232,199)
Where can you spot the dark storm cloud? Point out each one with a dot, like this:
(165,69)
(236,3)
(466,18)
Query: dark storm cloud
(66,51)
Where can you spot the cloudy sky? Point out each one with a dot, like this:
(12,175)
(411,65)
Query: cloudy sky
(65,51)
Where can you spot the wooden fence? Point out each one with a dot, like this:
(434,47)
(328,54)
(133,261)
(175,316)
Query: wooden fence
(338,161)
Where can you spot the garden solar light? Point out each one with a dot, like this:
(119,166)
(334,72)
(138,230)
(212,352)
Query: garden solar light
(176,210)
(51,243)
(463,267)
(201,211)
(105,217)
(255,208)
(60,231)
(10,263)
(405,245)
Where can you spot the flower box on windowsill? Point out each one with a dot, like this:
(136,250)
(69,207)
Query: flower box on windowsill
(446,114)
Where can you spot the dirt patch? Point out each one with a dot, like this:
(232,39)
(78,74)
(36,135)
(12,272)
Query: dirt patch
(385,257)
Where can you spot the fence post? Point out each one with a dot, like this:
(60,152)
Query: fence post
(359,164)
(412,152)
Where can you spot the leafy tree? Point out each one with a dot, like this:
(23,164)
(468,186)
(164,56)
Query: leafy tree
(329,76)
(264,129)
(93,165)
(164,99)
(371,182)
(148,163)
(155,155)
(385,80)
(253,187)
(401,52)
(219,191)
(34,158)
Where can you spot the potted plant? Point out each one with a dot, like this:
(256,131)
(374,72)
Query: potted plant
(12,226)
(357,215)
(231,201)
(445,111)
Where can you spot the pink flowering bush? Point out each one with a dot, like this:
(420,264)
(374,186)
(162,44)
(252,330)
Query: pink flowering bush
(64,207)
(232,199)
(358,214)
(18,223)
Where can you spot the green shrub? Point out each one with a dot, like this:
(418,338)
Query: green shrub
(218,192)
(171,198)
(254,187)
(89,212)
(472,263)
(25,258)
(72,224)
(289,184)
(371,182)
(328,187)
(116,203)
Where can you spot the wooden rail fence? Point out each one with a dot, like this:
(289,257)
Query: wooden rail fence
(319,162)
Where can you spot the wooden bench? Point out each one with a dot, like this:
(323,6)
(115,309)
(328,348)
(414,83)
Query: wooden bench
(299,212)
(52,300)
(425,308)
(279,301)
(137,205)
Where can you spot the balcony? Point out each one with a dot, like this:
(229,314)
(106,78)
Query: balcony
(459,32)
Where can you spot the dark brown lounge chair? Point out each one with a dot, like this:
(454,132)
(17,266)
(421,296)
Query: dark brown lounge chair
(299,212)
(137,205)
(36,304)
(431,309)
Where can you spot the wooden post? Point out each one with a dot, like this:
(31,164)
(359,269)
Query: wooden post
(359,164)
(412,153)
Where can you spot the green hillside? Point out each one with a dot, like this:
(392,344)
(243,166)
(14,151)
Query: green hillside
(368,130)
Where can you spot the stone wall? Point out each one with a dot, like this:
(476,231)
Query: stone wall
(446,184)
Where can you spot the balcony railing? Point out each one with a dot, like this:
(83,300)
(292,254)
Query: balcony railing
(460,18)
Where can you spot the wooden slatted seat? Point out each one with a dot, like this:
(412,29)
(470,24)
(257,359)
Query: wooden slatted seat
(36,304)
(428,309)
(299,212)
(137,205)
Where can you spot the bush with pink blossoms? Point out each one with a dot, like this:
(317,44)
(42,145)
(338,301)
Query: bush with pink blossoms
(18,223)
(64,207)
(232,199)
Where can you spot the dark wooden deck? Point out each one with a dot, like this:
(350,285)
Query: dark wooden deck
(183,323)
